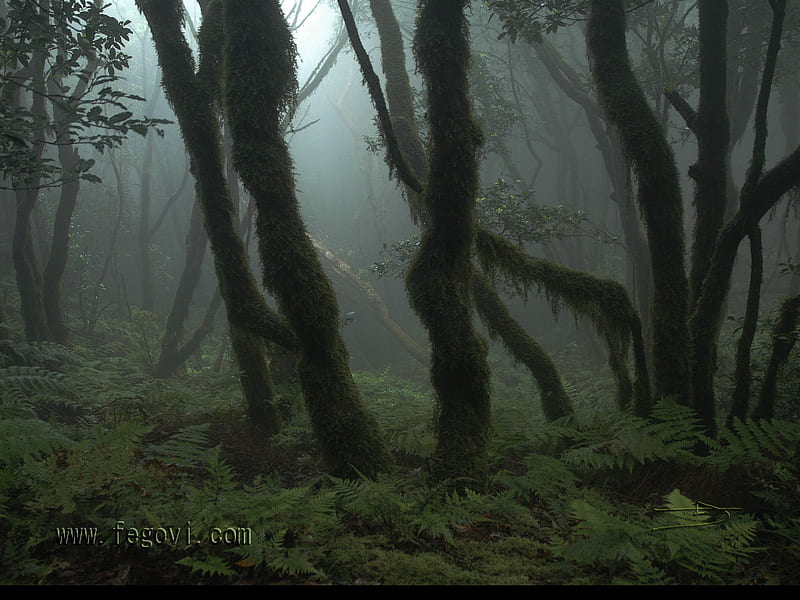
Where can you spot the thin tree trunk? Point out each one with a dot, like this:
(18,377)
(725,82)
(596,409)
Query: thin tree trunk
(742,374)
(784,336)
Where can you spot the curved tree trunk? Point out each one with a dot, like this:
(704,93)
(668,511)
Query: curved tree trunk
(259,81)
(554,399)
(439,278)
(192,100)
(659,194)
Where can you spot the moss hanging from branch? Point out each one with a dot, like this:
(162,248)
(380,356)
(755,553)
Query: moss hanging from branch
(260,83)
(554,399)
(604,302)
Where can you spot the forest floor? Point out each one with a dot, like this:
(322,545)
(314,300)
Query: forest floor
(157,469)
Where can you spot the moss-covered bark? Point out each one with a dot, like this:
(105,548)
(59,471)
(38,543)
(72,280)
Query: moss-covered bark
(604,302)
(554,399)
(259,83)
(255,379)
(659,195)
(608,143)
(401,101)
(439,279)
(193,102)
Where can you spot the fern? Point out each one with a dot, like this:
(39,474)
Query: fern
(548,478)
(684,536)
(623,441)
(186,448)
(22,439)
(29,382)
(209,565)
(762,442)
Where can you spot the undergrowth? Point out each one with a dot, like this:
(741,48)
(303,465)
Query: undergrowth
(177,489)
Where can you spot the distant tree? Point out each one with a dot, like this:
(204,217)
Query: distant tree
(730,38)
(62,57)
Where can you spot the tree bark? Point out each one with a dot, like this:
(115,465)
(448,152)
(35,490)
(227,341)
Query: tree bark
(259,82)
(659,195)
(193,103)
(554,399)
(439,279)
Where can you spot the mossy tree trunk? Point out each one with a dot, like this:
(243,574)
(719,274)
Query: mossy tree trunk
(554,399)
(659,194)
(193,102)
(439,278)
(192,96)
(760,192)
(608,143)
(259,82)
(555,403)
(712,129)
(401,100)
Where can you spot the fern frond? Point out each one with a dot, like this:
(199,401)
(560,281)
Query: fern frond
(186,448)
(33,381)
(764,442)
(210,564)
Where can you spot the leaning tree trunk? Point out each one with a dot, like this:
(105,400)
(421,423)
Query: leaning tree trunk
(259,58)
(659,193)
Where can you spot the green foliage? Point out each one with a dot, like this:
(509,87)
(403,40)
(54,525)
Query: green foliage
(757,444)
(509,213)
(30,382)
(410,512)
(529,19)
(685,538)
(622,441)
(404,412)
(547,478)
(565,503)
(82,50)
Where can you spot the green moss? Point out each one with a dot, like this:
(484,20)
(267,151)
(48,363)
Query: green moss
(647,150)
(555,401)
(401,101)
(604,302)
(260,82)
(439,278)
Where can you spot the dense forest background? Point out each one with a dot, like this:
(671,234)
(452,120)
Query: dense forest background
(377,292)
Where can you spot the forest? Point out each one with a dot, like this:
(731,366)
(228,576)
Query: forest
(409,292)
